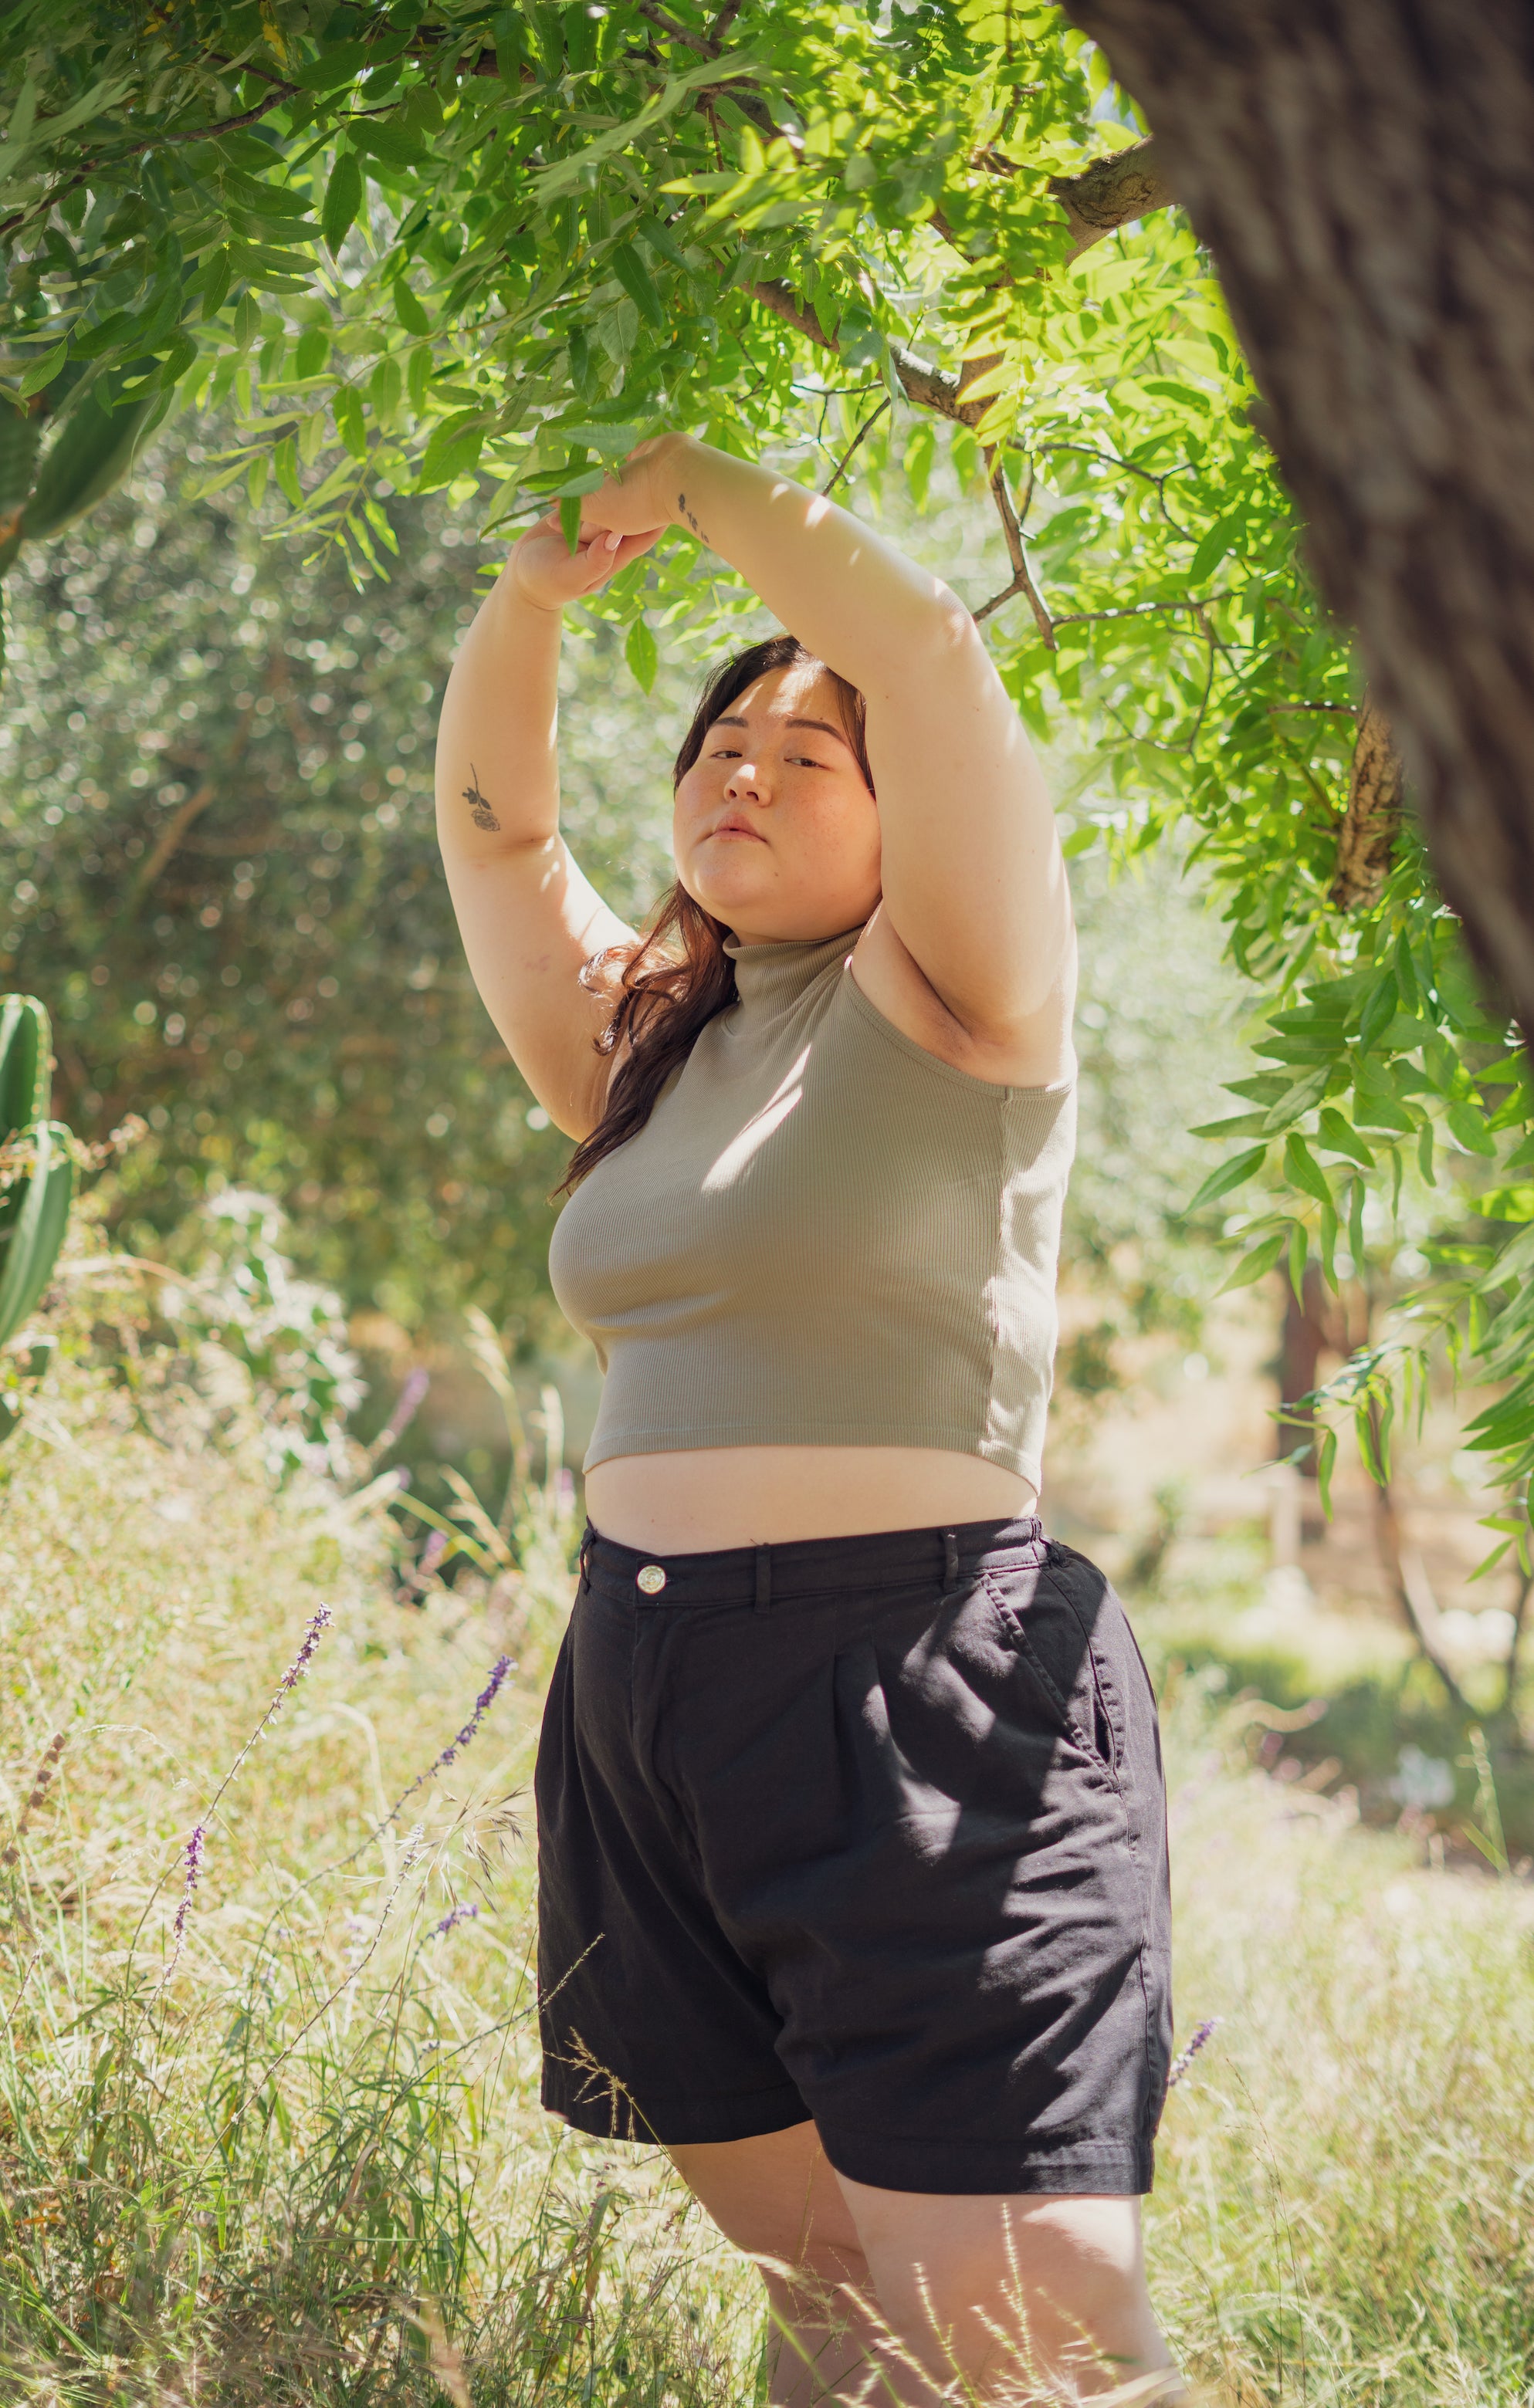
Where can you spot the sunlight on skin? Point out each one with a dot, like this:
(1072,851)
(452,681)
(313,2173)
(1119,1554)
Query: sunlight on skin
(892,2295)
(810,865)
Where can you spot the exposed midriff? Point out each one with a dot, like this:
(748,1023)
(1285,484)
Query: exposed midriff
(765,1495)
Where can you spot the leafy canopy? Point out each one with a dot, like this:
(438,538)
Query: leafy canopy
(443,247)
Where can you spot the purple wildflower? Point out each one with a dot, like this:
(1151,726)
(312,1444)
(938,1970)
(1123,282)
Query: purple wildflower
(193,1865)
(483,1704)
(197,1841)
(1183,2063)
(431,1553)
(300,1664)
(451,1922)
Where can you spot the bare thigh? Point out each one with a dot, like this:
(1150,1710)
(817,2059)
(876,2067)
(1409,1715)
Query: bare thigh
(777,2199)
(1023,2297)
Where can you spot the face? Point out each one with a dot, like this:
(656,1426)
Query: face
(775,832)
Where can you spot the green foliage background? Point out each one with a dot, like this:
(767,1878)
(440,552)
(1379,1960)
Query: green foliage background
(449,248)
(283,995)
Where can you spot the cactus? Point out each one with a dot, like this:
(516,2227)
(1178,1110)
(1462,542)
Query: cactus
(36,1163)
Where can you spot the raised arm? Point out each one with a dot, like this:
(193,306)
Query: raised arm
(974,883)
(529,919)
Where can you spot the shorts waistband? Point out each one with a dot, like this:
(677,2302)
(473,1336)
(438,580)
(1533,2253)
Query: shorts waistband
(806,1568)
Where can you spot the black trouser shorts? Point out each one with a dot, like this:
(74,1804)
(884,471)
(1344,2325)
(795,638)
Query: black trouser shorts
(867,1829)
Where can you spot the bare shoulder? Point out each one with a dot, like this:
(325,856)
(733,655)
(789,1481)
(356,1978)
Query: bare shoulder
(1038,1053)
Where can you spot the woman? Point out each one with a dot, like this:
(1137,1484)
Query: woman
(853,1867)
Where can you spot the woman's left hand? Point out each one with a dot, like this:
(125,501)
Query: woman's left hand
(639,499)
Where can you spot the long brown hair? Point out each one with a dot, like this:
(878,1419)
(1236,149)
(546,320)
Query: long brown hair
(679,976)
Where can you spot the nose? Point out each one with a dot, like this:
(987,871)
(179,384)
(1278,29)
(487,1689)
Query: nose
(746,780)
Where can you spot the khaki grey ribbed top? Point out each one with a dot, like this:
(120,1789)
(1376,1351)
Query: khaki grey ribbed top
(822,1236)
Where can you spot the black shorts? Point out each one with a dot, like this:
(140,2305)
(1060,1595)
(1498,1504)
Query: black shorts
(868,1829)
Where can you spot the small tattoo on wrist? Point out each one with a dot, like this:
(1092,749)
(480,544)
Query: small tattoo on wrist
(682,505)
(483,816)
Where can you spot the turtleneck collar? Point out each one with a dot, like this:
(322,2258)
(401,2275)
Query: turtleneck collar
(771,979)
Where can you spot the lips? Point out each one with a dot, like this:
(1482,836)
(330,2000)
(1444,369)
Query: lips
(736,827)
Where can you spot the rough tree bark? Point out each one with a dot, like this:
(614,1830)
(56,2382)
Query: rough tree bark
(1364,178)
(1376,790)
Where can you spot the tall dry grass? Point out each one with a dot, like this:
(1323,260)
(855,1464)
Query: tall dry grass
(308,2164)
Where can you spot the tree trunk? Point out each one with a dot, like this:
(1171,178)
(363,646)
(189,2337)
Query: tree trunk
(1364,178)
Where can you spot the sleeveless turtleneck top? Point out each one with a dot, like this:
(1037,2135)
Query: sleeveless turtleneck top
(822,1236)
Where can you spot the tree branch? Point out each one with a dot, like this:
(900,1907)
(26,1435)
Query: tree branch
(784,303)
(674,33)
(1376,792)
(1022,583)
(840,470)
(1111,192)
(88,167)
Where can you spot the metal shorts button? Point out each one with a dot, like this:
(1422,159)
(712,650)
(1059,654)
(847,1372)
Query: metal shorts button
(651,1579)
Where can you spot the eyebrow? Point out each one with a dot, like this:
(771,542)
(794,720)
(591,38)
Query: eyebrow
(732,718)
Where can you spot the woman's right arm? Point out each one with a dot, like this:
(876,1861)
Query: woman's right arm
(529,920)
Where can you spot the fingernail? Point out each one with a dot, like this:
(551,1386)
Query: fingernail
(613,541)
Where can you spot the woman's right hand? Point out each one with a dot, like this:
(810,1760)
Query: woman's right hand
(542,570)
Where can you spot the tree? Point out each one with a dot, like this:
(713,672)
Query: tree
(216,834)
(1362,178)
(477,250)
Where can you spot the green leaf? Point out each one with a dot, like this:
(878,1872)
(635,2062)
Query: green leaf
(346,408)
(43,371)
(1339,1137)
(389,143)
(1378,1011)
(1469,1127)
(342,62)
(312,353)
(285,469)
(343,199)
(636,280)
(569,519)
(1302,1095)
(1374,1107)
(215,279)
(92,452)
(1325,1464)
(1256,1265)
(384,387)
(409,309)
(614,442)
(1230,1174)
(1303,1169)
(641,653)
(507,33)
(921,452)
(247,321)
(1218,540)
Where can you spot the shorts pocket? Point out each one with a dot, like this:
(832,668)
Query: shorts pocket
(1052,1643)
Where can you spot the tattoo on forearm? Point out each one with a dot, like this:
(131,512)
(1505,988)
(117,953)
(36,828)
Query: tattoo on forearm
(483,816)
(682,505)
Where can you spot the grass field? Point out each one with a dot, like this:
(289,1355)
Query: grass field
(302,2159)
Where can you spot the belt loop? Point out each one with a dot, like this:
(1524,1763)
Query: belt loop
(951,1559)
(587,1535)
(764,1579)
